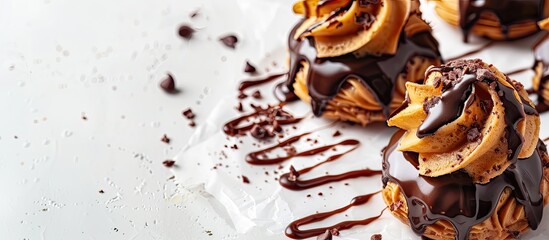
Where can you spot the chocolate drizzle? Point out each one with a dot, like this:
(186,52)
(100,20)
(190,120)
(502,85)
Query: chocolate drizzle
(508,12)
(291,179)
(251,83)
(541,55)
(455,198)
(326,76)
(293,230)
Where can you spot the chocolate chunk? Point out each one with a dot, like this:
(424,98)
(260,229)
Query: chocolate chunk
(165,139)
(188,113)
(229,41)
(101,191)
(192,124)
(325,236)
(259,132)
(249,68)
(169,163)
(336,134)
(320,194)
(168,84)
(245,179)
(256,94)
(364,19)
(473,134)
(186,32)
(376,237)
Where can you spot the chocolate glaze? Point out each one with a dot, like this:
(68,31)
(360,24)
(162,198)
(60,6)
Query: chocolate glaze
(293,230)
(455,198)
(541,56)
(449,108)
(508,12)
(326,76)
(291,179)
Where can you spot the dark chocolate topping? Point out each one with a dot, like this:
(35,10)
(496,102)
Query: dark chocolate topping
(326,76)
(458,79)
(508,12)
(293,230)
(455,198)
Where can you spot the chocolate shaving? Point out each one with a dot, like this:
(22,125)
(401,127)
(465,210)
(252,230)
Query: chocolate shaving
(229,41)
(165,139)
(259,132)
(168,163)
(249,68)
(186,32)
(188,113)
(168,84)
(245,179)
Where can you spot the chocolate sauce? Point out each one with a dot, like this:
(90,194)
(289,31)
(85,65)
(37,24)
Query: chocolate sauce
(508,12)
(252,83)
(326,76)
(541,56)
(449,107)
(259,157)
(293,230)
(273,116)
(455,198)
(291,179)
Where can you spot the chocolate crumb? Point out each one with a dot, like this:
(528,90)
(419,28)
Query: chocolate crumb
(336,134)
(259,132)
(320,194)
(168,84)
(193,14)
(325,236)
(473,134)
(245,179)
(101,191)
(239,107)
(308,195)
(165,139)
(428,104)
(229,41)
(168,163)
(192,124)
(293,175)
(188,113)
(256,94)
(249,68)
(242,95)
(376,237)
(186,32)
(396,205)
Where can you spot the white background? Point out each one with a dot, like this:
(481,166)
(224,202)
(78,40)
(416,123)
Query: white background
(103,59)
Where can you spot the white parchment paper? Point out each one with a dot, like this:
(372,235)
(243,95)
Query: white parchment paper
(263,207)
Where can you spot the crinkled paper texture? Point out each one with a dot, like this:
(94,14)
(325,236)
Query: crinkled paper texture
(263,206)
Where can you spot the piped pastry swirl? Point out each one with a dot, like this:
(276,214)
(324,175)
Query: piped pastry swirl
(467,162)
(350,59)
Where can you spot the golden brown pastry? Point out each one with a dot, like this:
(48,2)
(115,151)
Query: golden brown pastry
(350,59)
(494,19)
(467,162)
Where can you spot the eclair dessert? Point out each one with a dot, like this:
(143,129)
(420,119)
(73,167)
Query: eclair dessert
(541,69)
(494,19)
(467,162)
(350,59)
